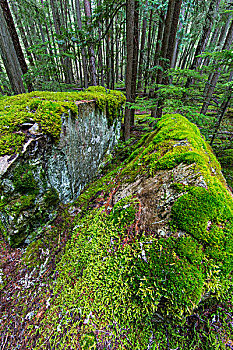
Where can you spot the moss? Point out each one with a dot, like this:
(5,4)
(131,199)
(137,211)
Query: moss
(31,257)
(113,277)
(192,212)
(51,198)
(46,109)
(21,203)
(23,179)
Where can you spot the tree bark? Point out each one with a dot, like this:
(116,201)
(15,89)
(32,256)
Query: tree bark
(172,34)
(130,7)
(14,36)
(142,46)
(135,59)
(223,108)
(87,7)
(83,54)
(9,57)
(211,14)
(214,78)
(146,77)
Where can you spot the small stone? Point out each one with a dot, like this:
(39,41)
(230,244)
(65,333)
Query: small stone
(35,129)
(26,126)
(161,233)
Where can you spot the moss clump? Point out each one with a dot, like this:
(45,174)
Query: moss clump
(24,181)
(192,212)
(46,109)
(51,198)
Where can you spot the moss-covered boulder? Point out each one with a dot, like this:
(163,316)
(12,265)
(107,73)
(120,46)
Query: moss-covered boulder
(51,145)
(152,239)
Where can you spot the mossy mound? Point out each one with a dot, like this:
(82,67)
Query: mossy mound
(117,277)
(46,108)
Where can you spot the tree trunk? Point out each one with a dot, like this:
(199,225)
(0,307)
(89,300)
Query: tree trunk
(84,60)
(142,46)
(107,58)
(9,57)
(166,37)
(177,43)
(14,36)
(211,14)
(100,53)
(148,52)
(91,52)
(112,59)
(172,34)
(158,45)
(223,108)
(130,7)
(135,59)
(215,76)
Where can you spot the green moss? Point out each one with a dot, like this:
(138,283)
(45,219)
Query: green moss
(23,179)
(46,109)
(31,257)
(192,212)
(20,204)
(113,277)
(51,198)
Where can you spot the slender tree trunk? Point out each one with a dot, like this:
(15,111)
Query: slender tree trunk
(146,77)
(100,53)
(177,43)
(14,36)
(157,112)
(168,45)
(135,58)
(223,108)
(130,7)
(112,59)
(87,7)
(158,44)
(22,34)
(215,76)
(166,37)
(83,54)
(117,54)
(173,31)
(108,57)
(142,46)
(210,17)
(9,57)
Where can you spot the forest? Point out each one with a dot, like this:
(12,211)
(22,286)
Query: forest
(166,68)
(166,55)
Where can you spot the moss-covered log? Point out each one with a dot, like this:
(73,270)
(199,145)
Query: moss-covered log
(152,239)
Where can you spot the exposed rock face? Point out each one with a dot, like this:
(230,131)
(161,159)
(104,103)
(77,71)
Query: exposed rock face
(74,161)
(158,194)
(45,172)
